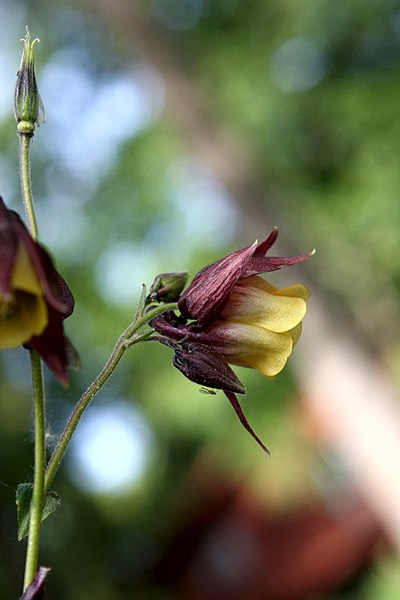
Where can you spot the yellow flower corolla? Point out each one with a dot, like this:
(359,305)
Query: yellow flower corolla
(23,313)
(260,324)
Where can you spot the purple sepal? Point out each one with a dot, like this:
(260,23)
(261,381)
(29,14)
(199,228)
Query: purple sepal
(51,346)
(171,326)
(210,289)
(205,366)
(264,246)
(238,410)
(35,591)
(55,289)
(8,249)
(209,292)
(266,264)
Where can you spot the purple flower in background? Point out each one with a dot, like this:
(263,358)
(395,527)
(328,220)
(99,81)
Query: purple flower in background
(34,298)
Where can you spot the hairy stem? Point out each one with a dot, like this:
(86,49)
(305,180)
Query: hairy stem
(24,166)
(130,336)
(35,518)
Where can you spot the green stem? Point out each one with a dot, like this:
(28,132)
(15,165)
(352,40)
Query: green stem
(24,165)
(125,340)
(35,518)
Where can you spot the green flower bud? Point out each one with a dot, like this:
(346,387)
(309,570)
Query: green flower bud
(167,287)
(28,105)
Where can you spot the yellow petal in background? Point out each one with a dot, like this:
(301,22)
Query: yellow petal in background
(26,315)
(24,276)
(29,317)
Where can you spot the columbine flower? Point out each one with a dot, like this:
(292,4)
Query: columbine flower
(34,298)
(231,315)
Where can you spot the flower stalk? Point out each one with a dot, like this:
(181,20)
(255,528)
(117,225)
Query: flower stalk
(25,175)
(32,554)
(26,91)
(132,335)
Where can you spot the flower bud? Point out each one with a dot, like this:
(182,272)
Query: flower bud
(167,287)
(28,106)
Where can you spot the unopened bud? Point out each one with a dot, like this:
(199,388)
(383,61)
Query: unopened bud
(28,106)
(167,287)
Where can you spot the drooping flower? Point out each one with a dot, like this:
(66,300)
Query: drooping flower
(34,298)
(239,317)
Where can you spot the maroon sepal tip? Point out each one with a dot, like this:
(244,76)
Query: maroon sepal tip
(238,410)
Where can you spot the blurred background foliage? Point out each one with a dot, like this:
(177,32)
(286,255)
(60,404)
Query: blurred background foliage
(308,92)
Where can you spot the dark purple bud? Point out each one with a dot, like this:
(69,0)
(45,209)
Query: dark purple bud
(35,591)
(205,366)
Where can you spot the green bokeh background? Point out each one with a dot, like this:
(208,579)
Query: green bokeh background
(309,92)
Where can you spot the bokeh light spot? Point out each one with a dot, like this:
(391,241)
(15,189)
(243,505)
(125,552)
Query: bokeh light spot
(298,65)
(110,448)
(177,15)
(121,270)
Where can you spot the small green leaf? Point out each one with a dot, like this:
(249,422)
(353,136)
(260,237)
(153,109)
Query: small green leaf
(23,501)
(52,503)
(141,304)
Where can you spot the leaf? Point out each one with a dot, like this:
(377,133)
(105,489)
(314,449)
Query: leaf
(141,304)
(23,501)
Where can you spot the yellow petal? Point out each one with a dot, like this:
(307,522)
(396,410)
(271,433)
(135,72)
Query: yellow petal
(29,318)
(24,276)
(260,283)
(298,290)
(277,311)
(251,346)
